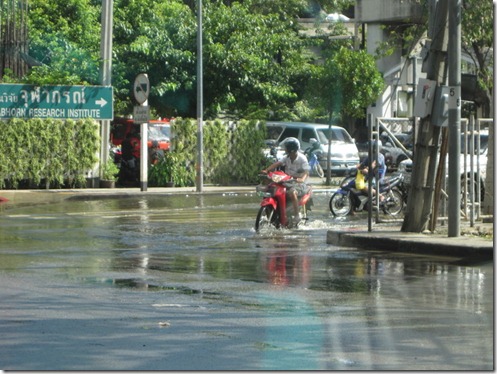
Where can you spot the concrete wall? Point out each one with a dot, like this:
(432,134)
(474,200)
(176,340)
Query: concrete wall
(386,11)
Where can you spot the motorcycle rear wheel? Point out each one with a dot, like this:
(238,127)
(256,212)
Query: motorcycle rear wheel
(266,217)
(394,203)
(340,204)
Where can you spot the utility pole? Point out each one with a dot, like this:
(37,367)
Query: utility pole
(454,188)
(420,200)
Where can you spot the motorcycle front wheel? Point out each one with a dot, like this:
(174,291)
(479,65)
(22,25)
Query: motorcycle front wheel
(394,202)
(318,170)
(340,204)
(266,217)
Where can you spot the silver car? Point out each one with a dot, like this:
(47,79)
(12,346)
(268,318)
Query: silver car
(344,154)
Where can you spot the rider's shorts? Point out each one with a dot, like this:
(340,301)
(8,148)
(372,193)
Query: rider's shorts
(301,188)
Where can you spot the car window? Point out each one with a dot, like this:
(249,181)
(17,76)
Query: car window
(307,134)
(154,133)
(273,132)
(337,135)
(164,129)
(289,132)
(119,131)
(323,136)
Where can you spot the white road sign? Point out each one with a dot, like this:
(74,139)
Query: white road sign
(141,88)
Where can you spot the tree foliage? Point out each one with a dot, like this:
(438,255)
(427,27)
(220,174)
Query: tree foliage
(477,41)
(347,83)
(64,37)
(157,38)
(253,57)
(255,63)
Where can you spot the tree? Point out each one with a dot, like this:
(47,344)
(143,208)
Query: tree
(13,36)
(346,84)
(252,55)
(65,37)
(255,63)
(477,42)
(157,38)
(253,58)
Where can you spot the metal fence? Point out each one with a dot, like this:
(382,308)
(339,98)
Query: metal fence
(474,158)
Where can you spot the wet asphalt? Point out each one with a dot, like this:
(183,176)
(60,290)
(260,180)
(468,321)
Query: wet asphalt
(53,320)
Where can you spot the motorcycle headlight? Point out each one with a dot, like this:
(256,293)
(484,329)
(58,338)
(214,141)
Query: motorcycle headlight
(277,178)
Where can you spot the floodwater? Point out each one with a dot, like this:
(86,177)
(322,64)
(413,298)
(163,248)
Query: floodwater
(185,283)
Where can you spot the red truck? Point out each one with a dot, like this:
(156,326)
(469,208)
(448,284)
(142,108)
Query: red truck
(159,130)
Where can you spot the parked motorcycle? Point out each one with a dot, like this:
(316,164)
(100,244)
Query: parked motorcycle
(312,158)
(348,199)
(272,155)
(275,210)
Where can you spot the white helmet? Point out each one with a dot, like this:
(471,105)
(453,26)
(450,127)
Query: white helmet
(291,144)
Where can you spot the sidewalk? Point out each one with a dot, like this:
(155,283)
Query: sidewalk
(476,243)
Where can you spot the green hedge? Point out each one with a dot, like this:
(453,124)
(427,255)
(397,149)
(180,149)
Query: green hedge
(47,153)
(232,152)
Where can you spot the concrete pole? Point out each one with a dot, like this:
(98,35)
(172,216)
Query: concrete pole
(370,120)
(454,57)
(420,200)
(144,154)
(200,98)
(105,71)
(414,90)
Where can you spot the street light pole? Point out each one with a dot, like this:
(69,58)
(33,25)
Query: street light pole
(105,71)
(454,54)
(200,98)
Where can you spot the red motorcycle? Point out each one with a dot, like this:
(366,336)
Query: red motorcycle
(274,210)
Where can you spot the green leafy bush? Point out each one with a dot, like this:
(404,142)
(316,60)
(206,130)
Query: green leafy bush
(110,170)
(46,152)
(232,152)
(51,153)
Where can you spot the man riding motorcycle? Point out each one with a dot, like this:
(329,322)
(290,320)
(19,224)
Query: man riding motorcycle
(296,165)
(378,164)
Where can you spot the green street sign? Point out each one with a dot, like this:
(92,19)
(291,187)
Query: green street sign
(59,102)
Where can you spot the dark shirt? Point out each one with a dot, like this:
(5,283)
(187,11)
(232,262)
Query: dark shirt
(127,149)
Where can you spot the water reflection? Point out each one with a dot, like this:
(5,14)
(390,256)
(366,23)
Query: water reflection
(287,269)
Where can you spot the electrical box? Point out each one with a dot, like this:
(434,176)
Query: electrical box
(440,112)
(425,96)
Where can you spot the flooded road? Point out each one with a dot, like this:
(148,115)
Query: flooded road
(185,283)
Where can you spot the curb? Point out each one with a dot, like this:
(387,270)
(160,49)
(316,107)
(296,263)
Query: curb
(429,244)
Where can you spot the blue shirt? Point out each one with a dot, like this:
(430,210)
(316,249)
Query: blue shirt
(380,165)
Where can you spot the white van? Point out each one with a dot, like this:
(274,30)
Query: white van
(344,153)
(479,162)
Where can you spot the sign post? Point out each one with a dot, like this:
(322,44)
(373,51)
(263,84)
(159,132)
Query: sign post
(141,114)
(58,102)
